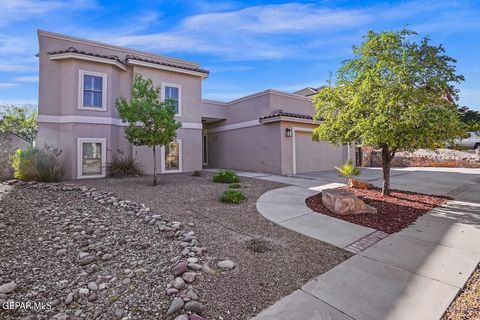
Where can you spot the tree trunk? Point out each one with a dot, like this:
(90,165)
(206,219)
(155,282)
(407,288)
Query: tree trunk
(387,157)
(154,167)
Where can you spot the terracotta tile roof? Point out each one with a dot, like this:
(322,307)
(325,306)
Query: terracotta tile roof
(280,113)
(129,57)
(75,50)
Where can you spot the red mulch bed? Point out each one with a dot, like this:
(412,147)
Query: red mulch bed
(394,212)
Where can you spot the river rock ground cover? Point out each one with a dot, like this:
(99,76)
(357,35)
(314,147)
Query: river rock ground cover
(127,250)
(466,305)
(270,261)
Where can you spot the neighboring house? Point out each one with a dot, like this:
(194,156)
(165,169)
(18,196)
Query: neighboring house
(9,142)
(308,91)
(269,131)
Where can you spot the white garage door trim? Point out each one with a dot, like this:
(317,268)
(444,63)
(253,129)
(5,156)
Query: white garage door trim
(294,149)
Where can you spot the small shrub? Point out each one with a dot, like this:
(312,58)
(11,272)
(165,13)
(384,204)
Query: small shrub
(348,170)
(123,166)
(226,176)
(197,173)
(232,196)
(234,186)
(35,164)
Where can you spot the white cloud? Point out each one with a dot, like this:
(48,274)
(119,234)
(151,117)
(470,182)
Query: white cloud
(19,10)
(26,79)
(293,30)
(289,17)
(10,45)
(17,67)
(7,85)
(247,33)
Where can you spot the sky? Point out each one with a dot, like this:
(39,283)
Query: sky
(248,46)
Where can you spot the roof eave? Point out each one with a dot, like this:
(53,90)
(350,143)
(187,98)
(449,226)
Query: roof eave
(135,62)
(54,35)
(79,56)
(289,119)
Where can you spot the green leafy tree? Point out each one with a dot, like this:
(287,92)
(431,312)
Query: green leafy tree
(151,122)
(470,118)
(467,115)
(20,121)
(391,95)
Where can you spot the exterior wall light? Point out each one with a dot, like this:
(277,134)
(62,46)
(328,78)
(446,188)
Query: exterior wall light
(288,132)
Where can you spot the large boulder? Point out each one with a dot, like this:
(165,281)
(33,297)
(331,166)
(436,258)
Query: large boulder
(359,184)
(343,202)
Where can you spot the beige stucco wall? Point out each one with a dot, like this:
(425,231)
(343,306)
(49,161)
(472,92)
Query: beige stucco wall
(252,149)
(256,106)
(64,136)
(256,147)
(213,110)
(263,147)
(191,87)
(59,96)
(287,146)
(191,153)
(291,103)
(59,79)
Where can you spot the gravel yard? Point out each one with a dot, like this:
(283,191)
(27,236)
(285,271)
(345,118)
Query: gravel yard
(46,234)
(259,279)
(467,305)
(86,254)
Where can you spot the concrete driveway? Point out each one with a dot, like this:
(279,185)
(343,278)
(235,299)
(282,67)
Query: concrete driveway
(409,275)
(453,182)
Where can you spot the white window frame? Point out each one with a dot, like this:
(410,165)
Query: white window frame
(81,75)
(180,158)
(179,87)
(80,142)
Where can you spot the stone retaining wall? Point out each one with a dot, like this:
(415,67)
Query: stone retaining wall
(423,158)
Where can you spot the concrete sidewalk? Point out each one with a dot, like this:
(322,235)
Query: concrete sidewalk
(286,207)
(413,274)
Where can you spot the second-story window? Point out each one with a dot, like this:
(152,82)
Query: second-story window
(172,93)
(93,86)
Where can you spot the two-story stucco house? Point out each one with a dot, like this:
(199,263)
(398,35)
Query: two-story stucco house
(269,131)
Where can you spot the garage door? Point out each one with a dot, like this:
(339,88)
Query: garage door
(315,155)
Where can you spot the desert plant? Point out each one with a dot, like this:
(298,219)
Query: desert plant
(226,176)
(232,196)
(348,170)
(197,173)
(34,164)
(122,165)
(234,186)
